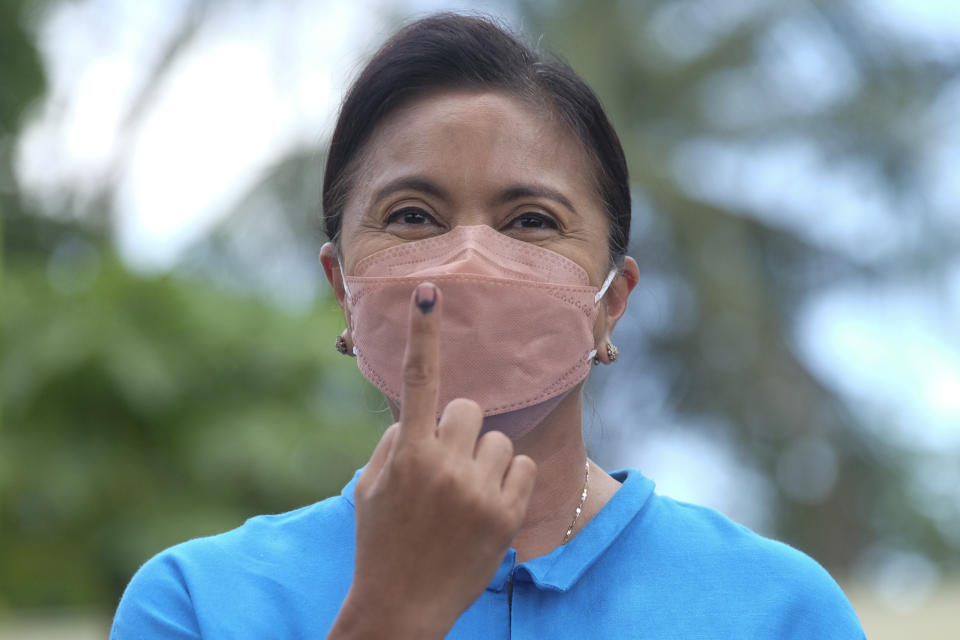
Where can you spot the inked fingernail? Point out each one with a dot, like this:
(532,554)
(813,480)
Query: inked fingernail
(426,297)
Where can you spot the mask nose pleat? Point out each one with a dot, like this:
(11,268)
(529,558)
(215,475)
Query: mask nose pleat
(467,260)
(517,330)
(472,258)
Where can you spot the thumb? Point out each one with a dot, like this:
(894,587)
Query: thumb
(379,457)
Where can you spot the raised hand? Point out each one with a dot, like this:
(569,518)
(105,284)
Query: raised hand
(436,508)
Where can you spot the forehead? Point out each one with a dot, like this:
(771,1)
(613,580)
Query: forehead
(474,141)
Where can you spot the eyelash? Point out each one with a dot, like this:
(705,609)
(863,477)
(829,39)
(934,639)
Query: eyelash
(531,215)
(400,213)
(397,215)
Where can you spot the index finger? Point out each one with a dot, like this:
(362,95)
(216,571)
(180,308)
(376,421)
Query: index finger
(421,365)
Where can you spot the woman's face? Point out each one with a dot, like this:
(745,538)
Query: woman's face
(470,158)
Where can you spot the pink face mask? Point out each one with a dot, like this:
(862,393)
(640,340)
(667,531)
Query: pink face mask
(517,328)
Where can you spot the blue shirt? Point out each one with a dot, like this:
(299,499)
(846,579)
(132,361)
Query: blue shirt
(646,566)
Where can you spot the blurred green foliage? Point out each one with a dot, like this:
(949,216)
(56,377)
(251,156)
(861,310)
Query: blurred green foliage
(139,411)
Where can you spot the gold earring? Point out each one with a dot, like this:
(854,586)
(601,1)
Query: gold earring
(612,353)
(341,345)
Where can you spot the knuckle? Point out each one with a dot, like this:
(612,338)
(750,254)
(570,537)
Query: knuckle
(417,372)
(407,459)
(524,472)
(450,477)
(465,408)
(526,466)
(472,405)
(498,442)
(460,411)
(391,432)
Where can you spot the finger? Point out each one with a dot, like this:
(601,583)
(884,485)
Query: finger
(494,452)
(518,482)
(421,364)
(378,458)
(460,425)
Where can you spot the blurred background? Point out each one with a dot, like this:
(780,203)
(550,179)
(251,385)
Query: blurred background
(791,355)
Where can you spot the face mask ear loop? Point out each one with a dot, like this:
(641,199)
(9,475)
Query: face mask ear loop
(343,279)
(603,289)
(596,299)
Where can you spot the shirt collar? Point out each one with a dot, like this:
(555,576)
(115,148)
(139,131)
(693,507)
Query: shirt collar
(561,568)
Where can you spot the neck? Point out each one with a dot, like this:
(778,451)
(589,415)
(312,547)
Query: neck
(556,445)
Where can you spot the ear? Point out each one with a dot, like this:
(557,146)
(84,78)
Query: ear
(331,268)
(618,292)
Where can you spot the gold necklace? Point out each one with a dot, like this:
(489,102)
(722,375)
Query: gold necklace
(583,499)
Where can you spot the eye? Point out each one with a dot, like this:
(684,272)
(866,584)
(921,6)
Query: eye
(531,220)
(411,216)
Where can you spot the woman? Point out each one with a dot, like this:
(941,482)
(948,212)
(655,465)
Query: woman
(478,209)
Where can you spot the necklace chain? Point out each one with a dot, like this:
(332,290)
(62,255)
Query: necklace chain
(583,499)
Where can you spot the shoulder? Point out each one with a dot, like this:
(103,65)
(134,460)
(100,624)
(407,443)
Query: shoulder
(710,558)
(173,594)
(706,536)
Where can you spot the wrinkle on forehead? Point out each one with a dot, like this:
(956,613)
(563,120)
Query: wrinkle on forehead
(496,136)
(474,146)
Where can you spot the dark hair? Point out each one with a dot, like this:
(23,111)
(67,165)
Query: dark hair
(452,51)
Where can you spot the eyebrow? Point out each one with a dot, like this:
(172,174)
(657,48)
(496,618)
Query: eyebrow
(413,183)
(520,191)
(509,194)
